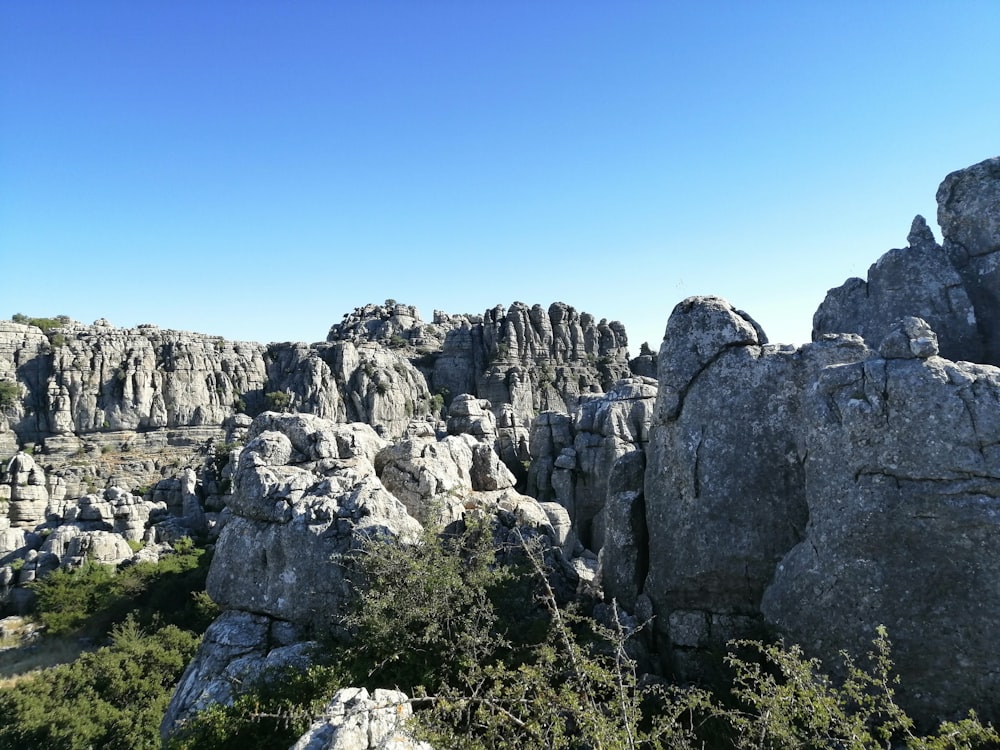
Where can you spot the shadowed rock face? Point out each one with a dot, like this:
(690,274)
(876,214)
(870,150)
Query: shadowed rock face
(903,486)
(724,488)
(954,286)
(969,215)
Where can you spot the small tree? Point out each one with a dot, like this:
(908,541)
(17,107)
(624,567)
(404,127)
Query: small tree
(278,400)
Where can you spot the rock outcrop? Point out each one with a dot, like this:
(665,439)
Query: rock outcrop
(902,480)
(724,487)
(954,287)
(849,483)
(574,455)
(528,357)
(307,494)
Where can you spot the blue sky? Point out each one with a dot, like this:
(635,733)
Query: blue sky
(257,169)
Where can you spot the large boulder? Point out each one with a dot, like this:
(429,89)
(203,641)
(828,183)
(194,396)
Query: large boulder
(902,477)
(305,496)
(724,485)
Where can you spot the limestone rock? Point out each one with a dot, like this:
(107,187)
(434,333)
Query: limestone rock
(919,281)
(304,497)
(623,556)
(724,487)
(472,416)
(969,216)
(902,483)
(357,720)
(237,649)
(954,287)
(430,475)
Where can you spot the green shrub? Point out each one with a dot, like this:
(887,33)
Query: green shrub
(10,394)
(786,700)
(112,698)
(278,400)
(92,598)
(46,324)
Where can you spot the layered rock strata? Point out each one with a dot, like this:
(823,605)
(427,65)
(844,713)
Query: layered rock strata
(528,357)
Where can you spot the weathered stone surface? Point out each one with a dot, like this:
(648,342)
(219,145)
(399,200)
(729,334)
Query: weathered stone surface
(903,487)
(969,216)
(724,487)
(437,476)
(357,720)
(955,287)
(472,416)
(304,497)
(624,556)
(551,434)
(238,649)
(920,281)
(72,545)
(528,357)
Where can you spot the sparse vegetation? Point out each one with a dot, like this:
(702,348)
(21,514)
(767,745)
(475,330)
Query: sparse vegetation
(114,697)
(437,620)
(278,400)
(46,324)
(10,394)
(92,598)
(111,698)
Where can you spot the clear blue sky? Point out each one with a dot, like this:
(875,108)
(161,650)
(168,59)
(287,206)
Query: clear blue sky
(257,169)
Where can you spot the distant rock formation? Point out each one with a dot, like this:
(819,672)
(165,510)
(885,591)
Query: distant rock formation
(527,357)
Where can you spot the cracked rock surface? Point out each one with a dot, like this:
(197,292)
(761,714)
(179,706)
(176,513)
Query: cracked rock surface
(903,488)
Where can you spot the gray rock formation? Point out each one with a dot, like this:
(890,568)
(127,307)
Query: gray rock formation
(238,649)
(969,216)
(529,358)
(357,720)
(919,280)
(573,456)
(305,496)
(954,287)
(902,479)
(724,486)
(822,491)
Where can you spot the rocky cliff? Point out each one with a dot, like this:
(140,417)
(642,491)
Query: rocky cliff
(823,490)
(528,357)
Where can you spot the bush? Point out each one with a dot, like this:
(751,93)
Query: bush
(278,400)
(436,619)
(785,700)
(10,394)
(112,698)
(92,598)
(46,324)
